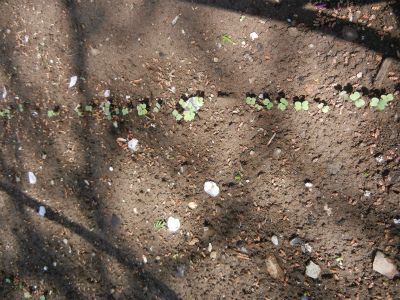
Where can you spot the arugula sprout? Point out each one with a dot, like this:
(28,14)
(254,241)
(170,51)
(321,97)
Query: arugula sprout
(177,115)
(298,105)
(20,107)
(267,103)
(356,97)
(116,110)
(125,111)
(106,109)
(226,38)
(251,101)
(142,109)
(188,115)
(283,104)
(238,176)
(160,224)
(88,108)
(157,108)
(344,95)
(324,108)
(77,110)
(380,104)
(5,113)
(51,113)
(198,102)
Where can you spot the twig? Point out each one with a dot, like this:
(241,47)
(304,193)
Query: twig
(271,139)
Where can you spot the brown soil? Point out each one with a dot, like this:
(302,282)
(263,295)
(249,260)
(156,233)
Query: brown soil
(97,239)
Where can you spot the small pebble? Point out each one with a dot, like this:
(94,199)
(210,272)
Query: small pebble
(192,205)
(359,75)
(274,240)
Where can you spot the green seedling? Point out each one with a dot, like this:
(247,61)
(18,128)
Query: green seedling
(188,115)
(20,107)
(227,39)
(356,97)
(283,104)
(5,113)
(298,105)
(27,295)
(324,108)
(125,111)
(380,104)
(251,101)
(267,103)
(116,111)
(157,108)
(177,115)
(142,109)
(105,106)
(7,280)
(42,297)
(242,18)
(160,224)
(51,113)
(88,108)
(238,176)
(344,95)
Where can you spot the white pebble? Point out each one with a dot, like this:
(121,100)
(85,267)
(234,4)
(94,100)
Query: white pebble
(253,36)
(308,185)
(211,188)
(173,224)
(107,93)
(359,75)
(42,211)
(133,145)
(31,178)
(73,81)
(274,240)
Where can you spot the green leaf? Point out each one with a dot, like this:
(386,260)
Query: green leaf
(77,110)
(182,103)
(42,297)
(157,108)
(389,97)
(88,108)
(344,95)
(188,115)
(381,105)
(226,38)
(374,102)
(297,105)
(125,111)
(242,18)
(304,105)
(141,109)
(325,109)
(281,106)
(238,176)
(51,113)
(20,107)
(355,96)
(27,295)
(359,103)
(251,101)
(160,224)
(7,280)
(198,101)
(284,101)
(268,104)
(177,115)
(320,106)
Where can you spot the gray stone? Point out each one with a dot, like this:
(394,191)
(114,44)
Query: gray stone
(313,270)
(384,265)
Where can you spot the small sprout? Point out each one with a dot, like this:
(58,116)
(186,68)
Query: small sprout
(43,297)
(157,108)
(238,176)
(267,103)
(51,113)
(356,98)
(258,107)
(324,108)
(188,115)
(198,101)
(380,104)
(283,104)
(242,17)
(141,109)
(177,115)
(183,103)
(160,224)
(227,39)
(116,110)
(5,113)
(27,295)
(251,101)
(20,107)
(77,110)
(7,280)
(298,105)
(344,95)
(125,111)
(88,108)
(106,109)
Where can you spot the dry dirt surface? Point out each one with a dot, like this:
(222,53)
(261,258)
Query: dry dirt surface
(307,199)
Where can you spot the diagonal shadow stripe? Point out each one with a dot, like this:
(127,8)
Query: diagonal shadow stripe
(156,287)
(385,44)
